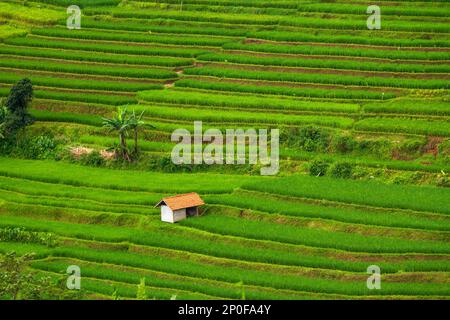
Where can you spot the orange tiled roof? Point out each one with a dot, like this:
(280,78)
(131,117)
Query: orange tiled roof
(182,201)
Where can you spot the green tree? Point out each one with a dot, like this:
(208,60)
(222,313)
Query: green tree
(137,124)
(3,118)
(121,123)
(17,103)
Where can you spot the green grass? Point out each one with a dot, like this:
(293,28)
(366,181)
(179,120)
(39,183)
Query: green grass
(288,237)
(73,83)
(365,38)
(192,242)
(162,280)
(409,10)
(317,22)
(260,278)
(144,145)
(60,172)
(108,99)
(97,46)
(413,106)
(7,31)
(131,37)
(312,236)
(343,79)
(282,90)
(31,14)
(324,63)
(83,3)
(367,161)
(242,101)
(44,115)
(122,283)
(234,274)
(24,248)
(99,206)
(88,56)
(109,196)
(428,127)
(53,66)
(205,114)
(267,203)
(339,51)
(94,225)
(430,199)
(163,26)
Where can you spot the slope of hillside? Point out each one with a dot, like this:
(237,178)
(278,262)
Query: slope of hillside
(364,146)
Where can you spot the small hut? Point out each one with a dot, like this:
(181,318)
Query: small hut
(179,207)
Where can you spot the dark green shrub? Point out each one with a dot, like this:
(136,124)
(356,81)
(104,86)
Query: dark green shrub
(43,147)
(318,168)
(29,147)
(360,172)
(411,147)
(93,159)
(22,235)
(380,148)
(444,151)
(308,138)
(343,144)
(443,180)
(341,170)
(313,139)
(408,178)
(17,102)
(165,164)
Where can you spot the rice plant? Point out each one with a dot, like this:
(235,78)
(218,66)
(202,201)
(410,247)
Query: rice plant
(428,199)
(343,79)
(283,90)
(325,63)
(88,56)
(132,37)
(243,101)
(99,46)
(87,69)
(339,51)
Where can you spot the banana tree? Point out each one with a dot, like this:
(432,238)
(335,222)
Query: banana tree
(137,124)
(120,123)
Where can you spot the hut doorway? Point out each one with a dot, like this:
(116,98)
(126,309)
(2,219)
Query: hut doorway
(191,212)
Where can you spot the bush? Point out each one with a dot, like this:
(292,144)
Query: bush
(22,235)
(410,147)
(360,172)
(408,178)
(308,138)
(93,159)
(341,170)
(165,164)
(343,143)
(443,180)
(444,151)
(380,148)
(42,147)
(29,147)
(318,168)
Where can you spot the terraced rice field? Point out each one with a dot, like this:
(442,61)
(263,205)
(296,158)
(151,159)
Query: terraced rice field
(236,64)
